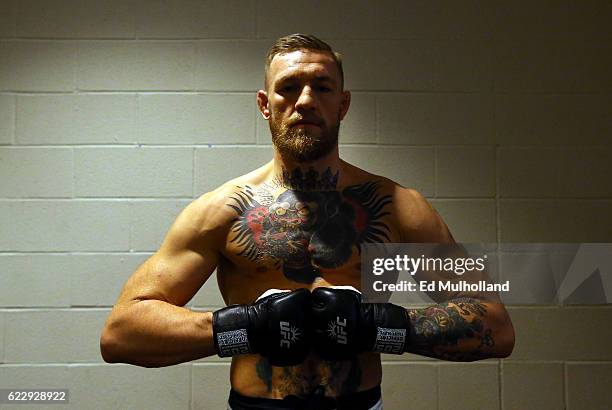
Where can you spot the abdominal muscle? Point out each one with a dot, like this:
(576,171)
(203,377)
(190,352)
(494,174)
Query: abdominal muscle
(252,375)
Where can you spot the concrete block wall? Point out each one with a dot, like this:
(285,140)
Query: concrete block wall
(115,114)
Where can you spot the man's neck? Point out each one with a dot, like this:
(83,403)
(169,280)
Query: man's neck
(320,175)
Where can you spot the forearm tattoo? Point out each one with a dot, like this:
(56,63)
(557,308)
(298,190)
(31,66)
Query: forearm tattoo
(456,330)
(304,225)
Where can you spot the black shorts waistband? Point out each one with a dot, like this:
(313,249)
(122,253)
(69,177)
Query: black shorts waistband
(362,400)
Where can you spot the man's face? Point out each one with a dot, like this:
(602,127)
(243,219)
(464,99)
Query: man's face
(304,104)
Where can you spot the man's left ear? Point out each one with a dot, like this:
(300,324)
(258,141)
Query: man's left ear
(344,105)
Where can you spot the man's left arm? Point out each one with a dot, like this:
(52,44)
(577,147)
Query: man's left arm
(461,326)
(461,329)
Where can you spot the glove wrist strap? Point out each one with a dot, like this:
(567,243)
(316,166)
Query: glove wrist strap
(392,341)
(230,332)
(391,330)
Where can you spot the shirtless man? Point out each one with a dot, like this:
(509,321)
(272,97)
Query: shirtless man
(295,224)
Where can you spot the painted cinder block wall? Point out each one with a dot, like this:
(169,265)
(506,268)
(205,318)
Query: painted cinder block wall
(114,115)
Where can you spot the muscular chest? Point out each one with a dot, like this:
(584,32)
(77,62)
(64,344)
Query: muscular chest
(306,234)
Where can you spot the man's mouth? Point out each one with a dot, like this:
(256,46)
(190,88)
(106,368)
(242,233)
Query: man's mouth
(306,123)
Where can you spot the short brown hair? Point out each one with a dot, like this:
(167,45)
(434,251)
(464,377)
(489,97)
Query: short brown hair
(294,42)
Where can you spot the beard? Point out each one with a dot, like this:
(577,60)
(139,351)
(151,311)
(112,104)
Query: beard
(301,144)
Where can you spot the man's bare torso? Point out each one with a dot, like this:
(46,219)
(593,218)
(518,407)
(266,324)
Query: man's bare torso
(303,234)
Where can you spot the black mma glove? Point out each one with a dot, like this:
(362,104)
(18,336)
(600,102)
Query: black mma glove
(276,326)
(344,327)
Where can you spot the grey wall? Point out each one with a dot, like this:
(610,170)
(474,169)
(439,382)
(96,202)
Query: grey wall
(115,114)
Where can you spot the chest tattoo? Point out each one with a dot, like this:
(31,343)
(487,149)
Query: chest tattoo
(307,227)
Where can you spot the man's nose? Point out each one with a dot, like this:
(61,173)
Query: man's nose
(307,100)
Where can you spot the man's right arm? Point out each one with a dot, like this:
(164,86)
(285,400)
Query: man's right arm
(148,326)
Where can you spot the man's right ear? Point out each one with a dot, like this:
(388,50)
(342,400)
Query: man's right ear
(262,103)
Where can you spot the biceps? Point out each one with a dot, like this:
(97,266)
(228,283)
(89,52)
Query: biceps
(174,278)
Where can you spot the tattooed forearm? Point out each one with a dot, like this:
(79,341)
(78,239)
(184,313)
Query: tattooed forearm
(456,330)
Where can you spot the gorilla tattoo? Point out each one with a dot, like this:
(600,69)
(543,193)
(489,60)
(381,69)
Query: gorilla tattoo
(304,231)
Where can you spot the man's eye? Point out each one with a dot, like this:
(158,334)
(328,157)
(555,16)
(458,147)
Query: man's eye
(324,89)
(288,88)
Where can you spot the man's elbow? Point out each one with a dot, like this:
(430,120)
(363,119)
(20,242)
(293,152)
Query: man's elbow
(505,341)
(113,337)
(502,331)
(112,342)
(109,347)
